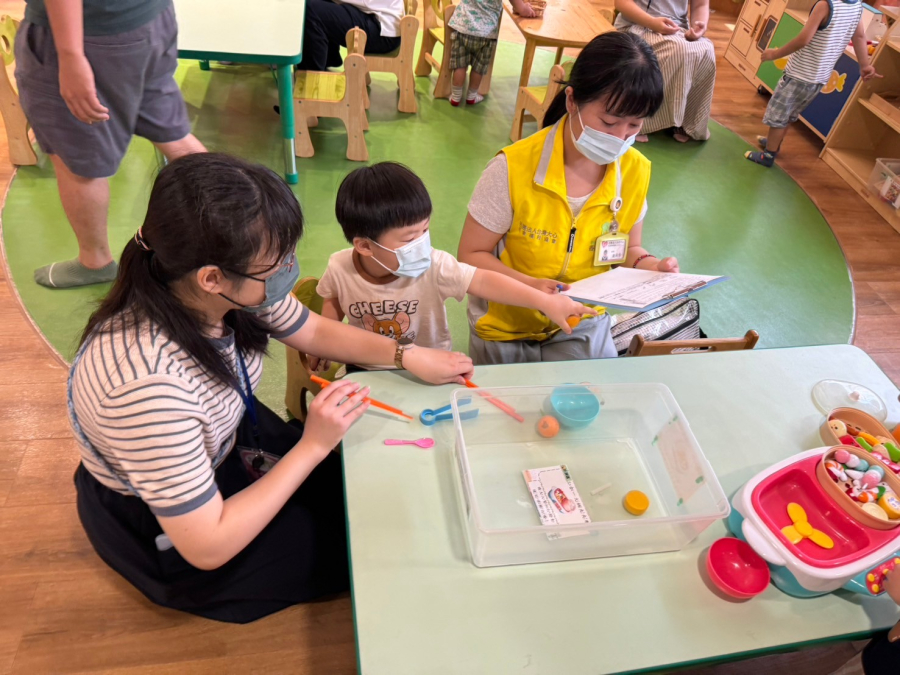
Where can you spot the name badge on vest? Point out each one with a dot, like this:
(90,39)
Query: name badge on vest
(611,248)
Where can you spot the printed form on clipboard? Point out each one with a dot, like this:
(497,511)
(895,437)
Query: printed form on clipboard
(638,290)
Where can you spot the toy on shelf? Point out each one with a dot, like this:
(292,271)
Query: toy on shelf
(791,512)
(429,417)
(801,529)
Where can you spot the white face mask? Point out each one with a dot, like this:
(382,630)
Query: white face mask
(414,257)
(597,146)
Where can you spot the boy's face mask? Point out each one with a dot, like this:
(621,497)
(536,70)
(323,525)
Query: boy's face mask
(414,258)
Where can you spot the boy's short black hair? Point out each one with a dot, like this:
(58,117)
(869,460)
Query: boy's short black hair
(378,198)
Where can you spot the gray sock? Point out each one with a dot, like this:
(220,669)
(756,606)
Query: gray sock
(72,273)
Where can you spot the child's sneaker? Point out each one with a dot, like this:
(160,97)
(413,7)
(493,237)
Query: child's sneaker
(474,98)
(765,157)
(454,102)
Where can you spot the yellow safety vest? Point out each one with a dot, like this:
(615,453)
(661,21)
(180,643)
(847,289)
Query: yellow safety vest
(537,244)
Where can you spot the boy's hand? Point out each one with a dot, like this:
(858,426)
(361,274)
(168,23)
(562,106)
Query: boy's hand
(523,9)
(668,265)
(438,366)
(318,365)
(558,308)
(78,89)
(868,72)
(664,26)
(698,29)
(551,286)
(769,55)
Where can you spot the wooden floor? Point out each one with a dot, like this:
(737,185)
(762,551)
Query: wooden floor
(63,611)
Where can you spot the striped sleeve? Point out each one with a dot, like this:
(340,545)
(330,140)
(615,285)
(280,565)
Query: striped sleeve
(154,430)
(286,317)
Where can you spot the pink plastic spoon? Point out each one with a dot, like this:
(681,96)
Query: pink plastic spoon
(422,442)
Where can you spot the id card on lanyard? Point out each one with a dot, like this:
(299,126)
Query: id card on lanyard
(611,248)
(256,462)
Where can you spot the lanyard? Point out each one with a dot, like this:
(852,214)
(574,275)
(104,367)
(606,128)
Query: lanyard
(616,204)
(247,397)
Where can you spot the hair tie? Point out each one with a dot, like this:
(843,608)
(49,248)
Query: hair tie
(139,240)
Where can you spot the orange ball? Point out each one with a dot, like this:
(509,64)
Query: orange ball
(548,426)
(573,321)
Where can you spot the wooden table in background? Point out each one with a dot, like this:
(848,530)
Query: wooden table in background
(565,24)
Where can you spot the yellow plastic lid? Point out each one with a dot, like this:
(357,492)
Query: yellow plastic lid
(636,503)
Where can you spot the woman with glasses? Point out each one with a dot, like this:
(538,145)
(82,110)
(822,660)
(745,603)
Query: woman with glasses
(192,490)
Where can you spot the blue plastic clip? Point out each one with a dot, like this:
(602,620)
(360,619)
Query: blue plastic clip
(429,416)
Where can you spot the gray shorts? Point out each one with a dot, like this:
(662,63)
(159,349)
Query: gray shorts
(590,339)
(790,98)
(133,72)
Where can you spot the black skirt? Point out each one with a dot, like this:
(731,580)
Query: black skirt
(300,556)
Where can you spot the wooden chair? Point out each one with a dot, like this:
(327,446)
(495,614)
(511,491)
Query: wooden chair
(641,347)
(400,61)
(437,16)
(21,153)
(299,384)
(532,102)
(341,95)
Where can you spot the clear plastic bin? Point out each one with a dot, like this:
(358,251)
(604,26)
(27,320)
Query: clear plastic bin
(884,181)
(639,441)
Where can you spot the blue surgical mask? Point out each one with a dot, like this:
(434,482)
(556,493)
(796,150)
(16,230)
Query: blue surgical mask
(597,146)
(278,286)
(414,257)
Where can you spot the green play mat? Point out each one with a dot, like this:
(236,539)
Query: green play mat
(707,205)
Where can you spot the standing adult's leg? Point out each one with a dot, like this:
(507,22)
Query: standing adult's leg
(86,203)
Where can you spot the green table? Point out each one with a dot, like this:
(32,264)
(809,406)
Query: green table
(420,605)
(264,31)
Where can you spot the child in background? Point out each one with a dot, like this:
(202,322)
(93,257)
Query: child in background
(814,53)
(393,282)
(476,25)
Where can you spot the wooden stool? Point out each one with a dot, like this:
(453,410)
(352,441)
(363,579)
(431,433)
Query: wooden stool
(533,102)
(341,95)
(400,61)
(299,384)
(20,151)
(437,16)
(640,347)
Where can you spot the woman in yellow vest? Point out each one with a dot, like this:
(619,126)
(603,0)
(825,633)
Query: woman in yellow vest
(566,204)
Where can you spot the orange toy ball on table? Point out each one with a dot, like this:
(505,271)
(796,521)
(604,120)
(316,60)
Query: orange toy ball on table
(548,426)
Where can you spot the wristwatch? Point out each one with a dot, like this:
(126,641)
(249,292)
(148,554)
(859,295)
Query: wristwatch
(404,344)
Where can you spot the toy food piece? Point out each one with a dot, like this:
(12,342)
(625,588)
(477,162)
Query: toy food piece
(843,456)
(875,511)
(801,529)
(852,462)
(893,451)
(853,430)
(890,505)
(863,443)
(884,439)
(849,440)
(838,428)
(636,503)
(868,438)
(853,474)
(573,321)
(835,470)
(548,426)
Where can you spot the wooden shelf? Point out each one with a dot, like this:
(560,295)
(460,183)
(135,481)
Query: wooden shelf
(890,13)
(855,167)
(880,115)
